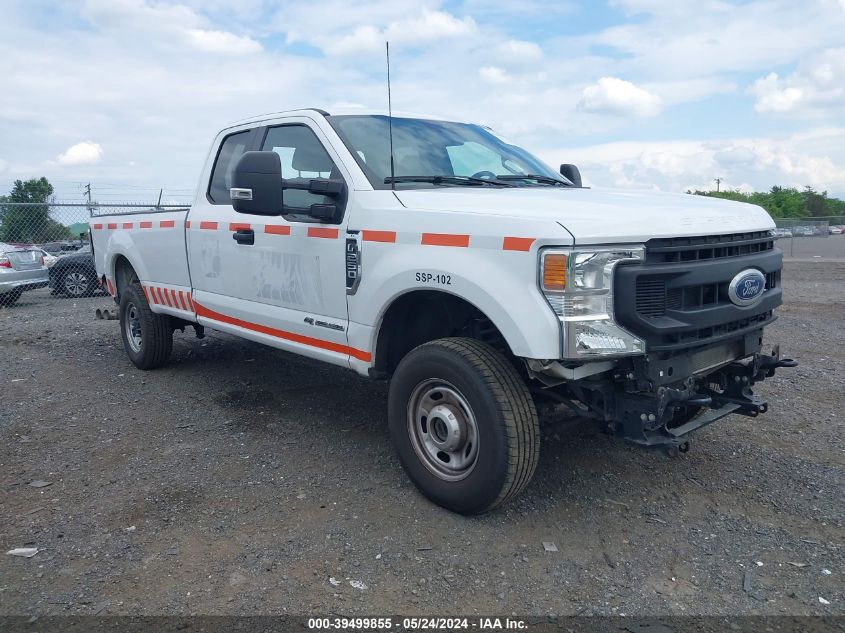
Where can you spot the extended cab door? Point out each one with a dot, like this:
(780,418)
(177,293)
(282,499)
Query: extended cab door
(276,279)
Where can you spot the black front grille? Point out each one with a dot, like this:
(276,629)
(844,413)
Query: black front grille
(678,296)
(704,247)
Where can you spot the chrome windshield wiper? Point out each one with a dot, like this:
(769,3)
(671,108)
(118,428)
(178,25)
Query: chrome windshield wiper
(548,180)
(467,181)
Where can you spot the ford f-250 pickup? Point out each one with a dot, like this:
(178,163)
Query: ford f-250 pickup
(480,282)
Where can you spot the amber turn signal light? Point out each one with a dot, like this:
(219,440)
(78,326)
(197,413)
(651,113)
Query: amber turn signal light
(554,272)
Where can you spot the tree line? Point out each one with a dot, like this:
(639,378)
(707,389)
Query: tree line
(786,202)
(30,224)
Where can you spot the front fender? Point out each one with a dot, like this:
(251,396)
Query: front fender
(502,285)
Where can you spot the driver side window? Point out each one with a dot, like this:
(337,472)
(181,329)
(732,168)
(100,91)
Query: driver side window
(303,157)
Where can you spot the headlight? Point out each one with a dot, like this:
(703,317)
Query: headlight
(579,287)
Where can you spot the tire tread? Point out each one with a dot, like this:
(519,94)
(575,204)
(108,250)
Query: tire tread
(161,340)
(515,404)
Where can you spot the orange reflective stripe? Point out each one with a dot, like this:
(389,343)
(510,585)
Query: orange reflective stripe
(173,296)
(112,226)
(166,224)
(208,226)
(318,231)
(182,300)
(517,243)
(277,229)
(97,227)
(282,334)
(146,225)
(239,226)
(445,239)
(190,303)
(378,236)
(127,225)
(146,296)
(187,224)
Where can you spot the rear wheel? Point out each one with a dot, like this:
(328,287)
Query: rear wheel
(77,283)
(464,424)
(10,298)
(147,337)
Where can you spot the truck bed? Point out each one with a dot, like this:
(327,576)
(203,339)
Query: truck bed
(162,269)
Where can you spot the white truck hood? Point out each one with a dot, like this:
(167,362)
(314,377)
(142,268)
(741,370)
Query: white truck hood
(596,216)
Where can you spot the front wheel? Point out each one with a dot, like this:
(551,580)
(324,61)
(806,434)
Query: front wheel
(147,337)
(464,424)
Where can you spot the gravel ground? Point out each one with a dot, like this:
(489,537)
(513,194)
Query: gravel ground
(243,480)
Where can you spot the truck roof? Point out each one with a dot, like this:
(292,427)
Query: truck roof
(337,112)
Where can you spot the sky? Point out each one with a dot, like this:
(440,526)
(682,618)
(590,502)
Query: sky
(644,94)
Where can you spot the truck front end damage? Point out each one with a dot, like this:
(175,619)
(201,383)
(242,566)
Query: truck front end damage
(685,317)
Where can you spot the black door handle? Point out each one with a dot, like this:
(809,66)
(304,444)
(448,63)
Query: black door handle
(244,236)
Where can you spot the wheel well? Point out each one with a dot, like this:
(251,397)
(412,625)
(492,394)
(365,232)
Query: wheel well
(124,274)
(425,315)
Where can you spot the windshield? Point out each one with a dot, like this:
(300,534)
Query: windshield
(437,151)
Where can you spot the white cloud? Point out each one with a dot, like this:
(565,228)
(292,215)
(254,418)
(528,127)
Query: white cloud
(85,153)
(363,39)
(815,158)
(167,24)
(430,25)
(611,95)
(426,27)
(222,42)
(818,83)
(494,75)
(519,52)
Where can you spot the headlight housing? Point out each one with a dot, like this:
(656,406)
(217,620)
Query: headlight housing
(578,285)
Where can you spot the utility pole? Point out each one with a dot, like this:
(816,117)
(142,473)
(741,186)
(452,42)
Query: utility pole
(87,192)
(718,182)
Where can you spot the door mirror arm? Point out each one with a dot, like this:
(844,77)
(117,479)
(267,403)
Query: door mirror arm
(319,186)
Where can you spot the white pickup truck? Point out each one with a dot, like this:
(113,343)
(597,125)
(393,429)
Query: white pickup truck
(480,282)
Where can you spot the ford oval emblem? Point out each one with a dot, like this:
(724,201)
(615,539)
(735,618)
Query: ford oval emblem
(747,287)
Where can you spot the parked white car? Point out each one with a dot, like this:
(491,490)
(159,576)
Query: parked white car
(475,278)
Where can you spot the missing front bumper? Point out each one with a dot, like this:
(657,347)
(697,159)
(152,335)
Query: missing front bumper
(669,414)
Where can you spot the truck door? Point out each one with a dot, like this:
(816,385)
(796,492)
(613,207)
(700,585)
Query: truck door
(281,279)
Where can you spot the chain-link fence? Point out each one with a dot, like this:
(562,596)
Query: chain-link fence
(800,237)
(47,246)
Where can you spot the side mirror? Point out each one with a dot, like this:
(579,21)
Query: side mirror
(257,184)
(571,173)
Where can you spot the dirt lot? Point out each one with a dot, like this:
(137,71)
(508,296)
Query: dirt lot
(243,480)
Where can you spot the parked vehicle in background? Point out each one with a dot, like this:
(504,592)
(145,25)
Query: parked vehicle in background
(20,269)
(61,248)
(834,230)
(477,279)
(74,275)
(49,259)
(781,232)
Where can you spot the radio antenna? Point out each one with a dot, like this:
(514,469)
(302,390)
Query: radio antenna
(390,119)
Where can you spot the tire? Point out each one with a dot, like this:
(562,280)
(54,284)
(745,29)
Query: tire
(76,283)
(147,337)
(10,298)
(463,396)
